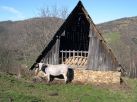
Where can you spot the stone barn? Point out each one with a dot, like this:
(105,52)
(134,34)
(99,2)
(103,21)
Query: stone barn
(78,43)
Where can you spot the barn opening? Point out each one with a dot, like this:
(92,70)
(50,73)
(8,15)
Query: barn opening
(74,41)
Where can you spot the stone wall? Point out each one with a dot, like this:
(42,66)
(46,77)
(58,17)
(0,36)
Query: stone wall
(96,77)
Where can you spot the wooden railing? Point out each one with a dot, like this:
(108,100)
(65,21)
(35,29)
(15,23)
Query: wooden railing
(74,58)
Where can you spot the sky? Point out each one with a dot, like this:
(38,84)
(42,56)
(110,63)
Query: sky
(99,10)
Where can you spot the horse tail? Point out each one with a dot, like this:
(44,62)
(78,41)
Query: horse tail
(70,74)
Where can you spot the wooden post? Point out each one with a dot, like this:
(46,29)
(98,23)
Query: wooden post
(73,54)
(81,53)
(69,53)
(77,56)
(62,56)
(65,55)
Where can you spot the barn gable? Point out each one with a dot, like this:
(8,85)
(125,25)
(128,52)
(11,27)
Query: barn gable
(79,40)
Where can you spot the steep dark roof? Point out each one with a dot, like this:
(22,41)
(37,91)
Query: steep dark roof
(61,29)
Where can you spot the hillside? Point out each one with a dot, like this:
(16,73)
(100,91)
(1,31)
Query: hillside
(22,41)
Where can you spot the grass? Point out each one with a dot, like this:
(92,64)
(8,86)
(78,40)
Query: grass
(20,90)
(112,37)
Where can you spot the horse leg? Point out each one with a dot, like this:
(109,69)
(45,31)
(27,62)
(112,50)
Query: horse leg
(48,78)
(65,77)
(51,78)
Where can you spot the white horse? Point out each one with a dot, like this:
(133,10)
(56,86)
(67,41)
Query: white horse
(54,70)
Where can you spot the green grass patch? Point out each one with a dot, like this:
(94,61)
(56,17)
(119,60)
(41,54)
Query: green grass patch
(112,37)
(20,90)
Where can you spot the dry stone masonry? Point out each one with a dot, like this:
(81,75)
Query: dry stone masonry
(96,77)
